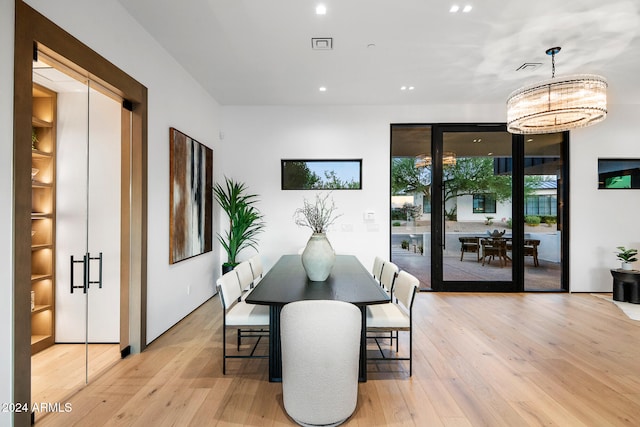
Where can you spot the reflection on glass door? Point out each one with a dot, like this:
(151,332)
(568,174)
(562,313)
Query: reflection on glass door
(477,207)
(411,166)
(543,203)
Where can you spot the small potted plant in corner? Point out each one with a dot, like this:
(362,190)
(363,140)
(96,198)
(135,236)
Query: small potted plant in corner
(245,220)
(627,256)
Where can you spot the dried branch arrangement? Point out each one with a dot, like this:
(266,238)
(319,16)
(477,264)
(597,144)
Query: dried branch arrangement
(317,216)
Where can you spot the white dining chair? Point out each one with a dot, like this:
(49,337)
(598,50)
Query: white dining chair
(320,352)
(388,276)
(395,316)
(256,268)
(377,268)
(245,277)
(237,314)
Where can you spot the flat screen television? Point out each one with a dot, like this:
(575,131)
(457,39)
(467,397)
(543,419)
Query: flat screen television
(614,174)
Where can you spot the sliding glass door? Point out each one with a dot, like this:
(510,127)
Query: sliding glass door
(475,235)
(475,208)
(411,191)
(544,202)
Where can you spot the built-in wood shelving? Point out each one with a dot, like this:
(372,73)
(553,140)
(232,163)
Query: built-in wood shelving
(43,198)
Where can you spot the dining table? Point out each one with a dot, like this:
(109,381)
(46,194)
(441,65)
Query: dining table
(287,282)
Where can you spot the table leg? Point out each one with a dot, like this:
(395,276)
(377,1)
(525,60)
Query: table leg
(362,372)
(634,293)
(618,290)
(275,349)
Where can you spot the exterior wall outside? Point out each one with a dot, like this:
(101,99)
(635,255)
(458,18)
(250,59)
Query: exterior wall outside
(465,210)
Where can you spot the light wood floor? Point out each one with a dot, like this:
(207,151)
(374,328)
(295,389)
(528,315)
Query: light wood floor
(59,371)
(479,360)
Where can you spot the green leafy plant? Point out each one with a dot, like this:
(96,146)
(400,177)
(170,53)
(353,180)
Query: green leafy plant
(626,255)
(489,220)
(404,244)
(245,220)
(396,223)
(318,216)
(532,220)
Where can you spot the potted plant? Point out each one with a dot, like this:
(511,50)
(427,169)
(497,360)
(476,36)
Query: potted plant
(627,256)
(318,255)
(245,220)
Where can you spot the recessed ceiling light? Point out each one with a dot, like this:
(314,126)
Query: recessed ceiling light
(489,154)
(321,9)
(530,140)
(403,88)
(454,8)
(467,8)
(322,89)
(411,88)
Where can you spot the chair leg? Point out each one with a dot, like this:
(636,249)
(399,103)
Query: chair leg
(410,350)
(224,350)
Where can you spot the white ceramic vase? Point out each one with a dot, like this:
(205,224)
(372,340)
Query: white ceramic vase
(318,257)
(626,265)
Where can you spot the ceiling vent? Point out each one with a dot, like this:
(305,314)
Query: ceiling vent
(322,43)
(529,66)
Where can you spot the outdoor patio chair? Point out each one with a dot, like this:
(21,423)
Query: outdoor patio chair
(492,248)
(469,244)
(531,249)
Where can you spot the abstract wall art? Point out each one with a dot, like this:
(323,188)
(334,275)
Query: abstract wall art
(190,218)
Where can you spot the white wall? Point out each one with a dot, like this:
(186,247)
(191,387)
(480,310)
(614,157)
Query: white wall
(256,138)
(6,206)
(175,99)
(602,219)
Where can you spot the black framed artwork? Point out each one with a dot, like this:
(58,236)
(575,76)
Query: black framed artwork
(618,174)
(322,174)
(191,197)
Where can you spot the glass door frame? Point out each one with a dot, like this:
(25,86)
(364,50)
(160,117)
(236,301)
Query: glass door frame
(437,213)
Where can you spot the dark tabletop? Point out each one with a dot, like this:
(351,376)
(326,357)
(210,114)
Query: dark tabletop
(287,282)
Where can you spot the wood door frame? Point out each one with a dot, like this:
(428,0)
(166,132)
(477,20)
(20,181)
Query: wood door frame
(33,28)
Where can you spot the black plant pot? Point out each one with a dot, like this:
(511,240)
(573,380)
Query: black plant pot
(226,268)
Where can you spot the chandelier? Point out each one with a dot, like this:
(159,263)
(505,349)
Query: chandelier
(448,159)
(557,104)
